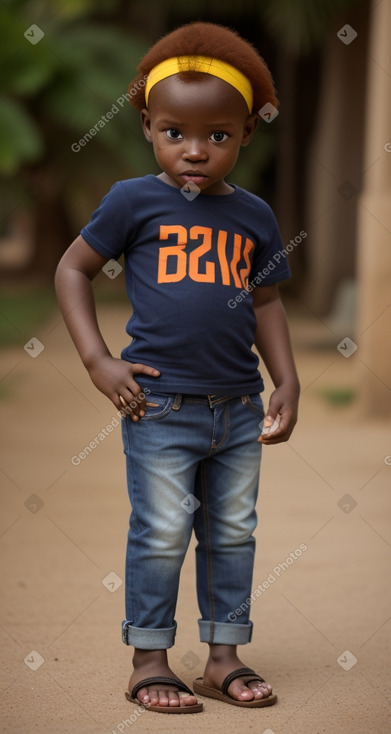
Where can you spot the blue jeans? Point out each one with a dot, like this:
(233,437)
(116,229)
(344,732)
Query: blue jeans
(192,461)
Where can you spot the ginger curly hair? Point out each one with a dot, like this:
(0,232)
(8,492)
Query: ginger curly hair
(207,39)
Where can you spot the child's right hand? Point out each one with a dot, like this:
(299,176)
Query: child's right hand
(114,377)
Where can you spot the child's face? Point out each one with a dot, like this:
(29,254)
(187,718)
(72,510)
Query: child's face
(197,127)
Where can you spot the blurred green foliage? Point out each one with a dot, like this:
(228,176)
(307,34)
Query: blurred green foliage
(82,65)
(54,91)
(338,396)
(23,311)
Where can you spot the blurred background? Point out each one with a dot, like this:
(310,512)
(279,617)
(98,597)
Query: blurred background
(323,164)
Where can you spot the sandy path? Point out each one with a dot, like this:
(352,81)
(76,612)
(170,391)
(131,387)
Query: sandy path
(334,598)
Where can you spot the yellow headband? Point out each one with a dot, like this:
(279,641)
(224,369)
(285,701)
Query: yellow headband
(206,64)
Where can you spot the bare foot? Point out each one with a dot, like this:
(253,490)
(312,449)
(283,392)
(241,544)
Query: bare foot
(151,663)
(217,668)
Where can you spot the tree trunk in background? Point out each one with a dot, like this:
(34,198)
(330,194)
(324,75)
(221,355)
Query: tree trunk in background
(335,165)
(298,90)
(52,232)
(287,190)
(374,226)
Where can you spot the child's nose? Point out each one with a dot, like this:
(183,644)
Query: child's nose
(195,151)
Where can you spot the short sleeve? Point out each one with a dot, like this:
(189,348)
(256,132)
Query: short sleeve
(270,263)
(110,229)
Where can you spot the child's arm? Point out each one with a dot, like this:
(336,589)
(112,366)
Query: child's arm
(114,377)
(273,343)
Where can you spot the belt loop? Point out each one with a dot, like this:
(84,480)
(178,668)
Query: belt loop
(177,402)
(244,399)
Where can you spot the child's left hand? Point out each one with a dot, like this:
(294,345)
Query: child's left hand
(281,416)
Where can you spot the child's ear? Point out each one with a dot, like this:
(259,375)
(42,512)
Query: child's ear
(250,127)
(145,118)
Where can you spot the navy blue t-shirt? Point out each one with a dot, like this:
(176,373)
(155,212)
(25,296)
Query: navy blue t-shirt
(190,267)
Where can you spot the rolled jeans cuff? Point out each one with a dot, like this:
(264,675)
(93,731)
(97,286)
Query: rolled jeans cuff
(148,639)
(222,633)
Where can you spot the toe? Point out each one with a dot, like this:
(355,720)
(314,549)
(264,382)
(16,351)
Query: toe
(163,697)
(153,697)
(248,692)
(173,699)
(143,695)
(239,690)
(260,690)
(187,700)
(176,698)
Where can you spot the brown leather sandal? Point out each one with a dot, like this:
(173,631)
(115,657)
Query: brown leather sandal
(222,694)
(132,697)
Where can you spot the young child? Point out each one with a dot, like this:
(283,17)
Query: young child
(203,258)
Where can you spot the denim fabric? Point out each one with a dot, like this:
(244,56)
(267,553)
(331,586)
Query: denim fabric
(192,461)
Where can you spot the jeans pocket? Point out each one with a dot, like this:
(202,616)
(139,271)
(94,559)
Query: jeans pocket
(157,405)
(254,403)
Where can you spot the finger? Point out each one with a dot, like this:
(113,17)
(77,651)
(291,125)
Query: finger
(118,401)
(144,369)
(135,398)
(125,409)
(122,401)
(132,405)
(136,393)
(271,424)
(281,433)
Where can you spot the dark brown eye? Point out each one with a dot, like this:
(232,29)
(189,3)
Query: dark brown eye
(173,134)
(219,137)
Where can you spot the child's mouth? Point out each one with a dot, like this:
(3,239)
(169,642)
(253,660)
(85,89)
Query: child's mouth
(195,177)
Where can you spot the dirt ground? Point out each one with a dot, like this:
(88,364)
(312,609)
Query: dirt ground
(321,628)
